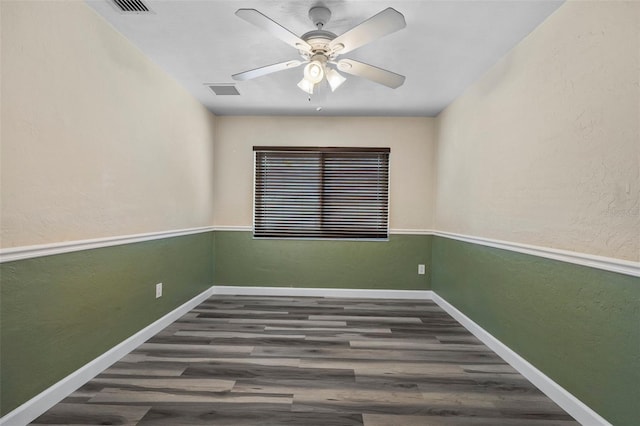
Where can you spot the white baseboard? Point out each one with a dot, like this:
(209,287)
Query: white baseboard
(572,405)
(37,405)
(323,292)
(40,403)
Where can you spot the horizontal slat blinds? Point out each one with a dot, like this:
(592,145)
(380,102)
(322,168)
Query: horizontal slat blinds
(321,193)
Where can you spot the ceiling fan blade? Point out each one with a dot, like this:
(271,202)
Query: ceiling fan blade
(259,72)
(360,69)
(386,22)
(262,21)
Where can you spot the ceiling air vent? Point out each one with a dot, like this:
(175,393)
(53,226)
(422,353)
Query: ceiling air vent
(131,6)
(224,89)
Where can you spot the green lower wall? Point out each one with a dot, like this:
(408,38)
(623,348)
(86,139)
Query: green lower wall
(59,312)
(242,260)
(578,325)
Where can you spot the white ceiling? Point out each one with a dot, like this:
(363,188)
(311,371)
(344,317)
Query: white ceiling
(446,46)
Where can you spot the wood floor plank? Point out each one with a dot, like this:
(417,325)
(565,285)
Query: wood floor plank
(128,397)
(92,414)
(412,344)
(394,420)
(266,360)
(257,415)
(198,384)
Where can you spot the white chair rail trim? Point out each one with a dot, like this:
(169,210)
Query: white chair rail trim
(28,252)
(620,266)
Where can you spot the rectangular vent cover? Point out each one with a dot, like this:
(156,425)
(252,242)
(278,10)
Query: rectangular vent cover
(224,90)
(134,6)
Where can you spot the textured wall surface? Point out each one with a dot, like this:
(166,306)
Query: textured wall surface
(412,153)
(578,325)
(96,140)
(59,312)
(393,264)
(544,149)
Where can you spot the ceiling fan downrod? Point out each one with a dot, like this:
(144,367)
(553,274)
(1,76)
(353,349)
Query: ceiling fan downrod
(319,15)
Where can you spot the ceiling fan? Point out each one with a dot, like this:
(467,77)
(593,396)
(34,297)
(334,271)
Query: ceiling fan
(320,48)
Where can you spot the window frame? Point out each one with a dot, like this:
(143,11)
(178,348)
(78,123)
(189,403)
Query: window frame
(323,150)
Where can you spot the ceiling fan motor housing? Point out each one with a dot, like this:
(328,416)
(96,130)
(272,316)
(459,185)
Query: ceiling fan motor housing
(319,42)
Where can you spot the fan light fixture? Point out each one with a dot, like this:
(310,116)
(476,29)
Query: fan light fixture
(315,71)
(334,78)
(306,86)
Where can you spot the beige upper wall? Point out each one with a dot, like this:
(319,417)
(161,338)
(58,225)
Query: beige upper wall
(411,141)
(545,148)
(96,141)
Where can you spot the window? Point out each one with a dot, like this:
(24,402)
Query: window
(321,192)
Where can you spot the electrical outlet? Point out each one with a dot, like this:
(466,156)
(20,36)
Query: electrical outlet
(421,269)
(158,290)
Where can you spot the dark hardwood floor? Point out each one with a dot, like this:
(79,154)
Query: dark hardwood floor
(240,360)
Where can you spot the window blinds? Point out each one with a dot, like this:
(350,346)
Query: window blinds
(321,192)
